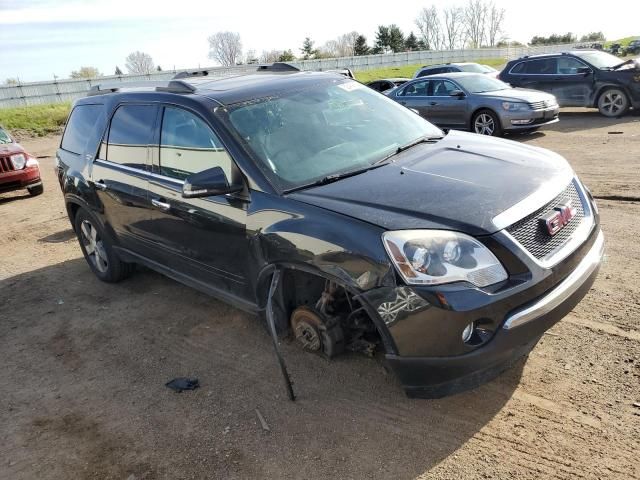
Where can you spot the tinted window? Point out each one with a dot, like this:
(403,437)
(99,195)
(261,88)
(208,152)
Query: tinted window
(417,89)
(81,123)
(441,88)
(130,135)
(544,66)
(188,145)
(519,68)
(569,66)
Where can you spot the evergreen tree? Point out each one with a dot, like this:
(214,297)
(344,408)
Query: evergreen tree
(396,38)
(411,43)
(286,56)
(118,71)
(382,39)
(158,68)
(307,49)
(360,46)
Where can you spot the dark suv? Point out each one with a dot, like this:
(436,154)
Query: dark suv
(583,78)
(340,216)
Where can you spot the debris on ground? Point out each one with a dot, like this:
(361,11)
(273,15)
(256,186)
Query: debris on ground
(263,422)
(183,383)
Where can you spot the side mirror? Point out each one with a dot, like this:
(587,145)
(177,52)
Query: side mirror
(457,93)
(207,183)
(583,71)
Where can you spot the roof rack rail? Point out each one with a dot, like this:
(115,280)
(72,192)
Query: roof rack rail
(171,86)
(193,73)
(278,67)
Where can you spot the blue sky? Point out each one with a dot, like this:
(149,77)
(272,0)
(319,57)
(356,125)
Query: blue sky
(42,38)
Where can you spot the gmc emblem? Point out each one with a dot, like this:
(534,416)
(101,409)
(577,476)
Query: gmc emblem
(556,220)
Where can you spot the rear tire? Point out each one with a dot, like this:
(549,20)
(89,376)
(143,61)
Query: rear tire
(98,251)
(613,102)
(486,122)
(35,191)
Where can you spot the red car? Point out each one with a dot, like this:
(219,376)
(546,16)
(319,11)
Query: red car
(18,169)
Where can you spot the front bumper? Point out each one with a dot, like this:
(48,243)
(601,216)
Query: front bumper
(18,179)
(529,119)
(433,377)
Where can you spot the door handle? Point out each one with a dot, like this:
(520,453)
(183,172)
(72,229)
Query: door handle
(160,204)
(100,185)
(433,103)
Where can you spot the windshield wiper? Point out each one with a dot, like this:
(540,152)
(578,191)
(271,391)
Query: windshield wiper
(407,147)
(333,178)
(626,62)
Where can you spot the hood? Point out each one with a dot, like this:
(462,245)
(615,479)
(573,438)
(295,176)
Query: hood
(460,183)
(10,148)
(521,94)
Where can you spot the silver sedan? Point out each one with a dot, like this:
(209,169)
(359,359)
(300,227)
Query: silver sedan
(476,102)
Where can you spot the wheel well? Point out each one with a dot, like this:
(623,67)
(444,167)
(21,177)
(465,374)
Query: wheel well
(330,299)
(604,88)
(72,210)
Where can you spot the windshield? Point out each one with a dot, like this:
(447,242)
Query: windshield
(4,137)
(328,128)
(600,59)
(481,83)
(476,68)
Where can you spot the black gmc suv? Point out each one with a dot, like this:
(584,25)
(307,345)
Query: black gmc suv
(582,78)
(340,216)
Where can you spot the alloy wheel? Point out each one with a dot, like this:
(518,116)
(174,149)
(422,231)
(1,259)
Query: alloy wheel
(94,246)
(612,103)
(484,124)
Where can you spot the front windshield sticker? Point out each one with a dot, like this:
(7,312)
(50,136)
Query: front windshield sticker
(351,86)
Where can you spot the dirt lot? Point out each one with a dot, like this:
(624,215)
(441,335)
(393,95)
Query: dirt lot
(84,365)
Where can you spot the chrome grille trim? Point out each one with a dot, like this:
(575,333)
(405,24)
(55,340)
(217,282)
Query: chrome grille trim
(577,235)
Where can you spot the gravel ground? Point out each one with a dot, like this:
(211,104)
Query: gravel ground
(84,366)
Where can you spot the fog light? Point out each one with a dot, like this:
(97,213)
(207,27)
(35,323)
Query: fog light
(468,332)
(521,122)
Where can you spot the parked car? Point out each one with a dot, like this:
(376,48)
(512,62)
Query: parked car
(476,102)
(634,47)
(339,216)
(18,169)
(581,78)
(455,67)
(617,49)
(387,84)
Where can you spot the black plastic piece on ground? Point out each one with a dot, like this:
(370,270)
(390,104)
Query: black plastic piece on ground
(183,383)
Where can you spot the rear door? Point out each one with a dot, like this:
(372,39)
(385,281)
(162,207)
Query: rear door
(202,238)
(535,73)
(443,109)
(571,87)
(415,95)
(120,172)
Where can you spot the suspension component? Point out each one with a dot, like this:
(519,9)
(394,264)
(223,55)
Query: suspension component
(317,332)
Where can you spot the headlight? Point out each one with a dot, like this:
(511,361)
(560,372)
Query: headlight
(515,106)
(432,257)
(19,160)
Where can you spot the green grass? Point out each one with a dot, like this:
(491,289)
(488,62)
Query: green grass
(36,120)
(407,71)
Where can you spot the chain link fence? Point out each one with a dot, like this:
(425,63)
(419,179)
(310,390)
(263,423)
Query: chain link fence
(37,93)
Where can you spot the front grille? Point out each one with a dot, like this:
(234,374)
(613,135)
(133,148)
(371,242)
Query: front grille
(532,235)
(540,105)
(6,165)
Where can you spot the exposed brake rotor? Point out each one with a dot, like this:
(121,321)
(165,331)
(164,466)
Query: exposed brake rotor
(317,333)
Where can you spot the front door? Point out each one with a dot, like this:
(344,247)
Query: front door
(203,238)
(571,86)
(443,109)
(415,96)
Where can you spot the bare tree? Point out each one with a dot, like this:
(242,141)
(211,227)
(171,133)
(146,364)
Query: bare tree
(453,27)
(225,48)
(11,81)
(495,19)
(347,44)
(475,21)
(270,56)
(428,22)
(139,63)
(86,72)
(330,49)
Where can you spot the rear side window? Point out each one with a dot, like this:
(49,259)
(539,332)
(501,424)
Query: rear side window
(130,134)
(519,68)
(416,89)
(80,127)
(188,145)
(543,66)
